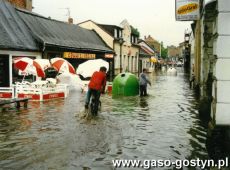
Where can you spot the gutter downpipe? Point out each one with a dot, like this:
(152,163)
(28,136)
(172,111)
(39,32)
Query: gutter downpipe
(43,49)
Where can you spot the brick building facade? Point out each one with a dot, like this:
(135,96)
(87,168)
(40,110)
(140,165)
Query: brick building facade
(173,51)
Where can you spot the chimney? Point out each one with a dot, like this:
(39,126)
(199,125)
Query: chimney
(29,5)
(70,20)
(24,4)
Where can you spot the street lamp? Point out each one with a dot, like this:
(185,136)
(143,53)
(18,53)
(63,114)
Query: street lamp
(121,41)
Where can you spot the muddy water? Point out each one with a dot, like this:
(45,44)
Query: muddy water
(53,134)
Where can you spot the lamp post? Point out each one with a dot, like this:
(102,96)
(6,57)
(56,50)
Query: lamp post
(121,42)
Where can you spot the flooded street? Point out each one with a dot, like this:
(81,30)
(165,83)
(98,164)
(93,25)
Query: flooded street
(52,135)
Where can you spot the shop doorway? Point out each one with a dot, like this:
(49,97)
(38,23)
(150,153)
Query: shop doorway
(4,71)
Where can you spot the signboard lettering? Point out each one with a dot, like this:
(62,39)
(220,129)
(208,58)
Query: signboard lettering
(79,55)
(187,10)
(5,95)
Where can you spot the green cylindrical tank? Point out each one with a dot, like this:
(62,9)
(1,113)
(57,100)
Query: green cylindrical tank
(125,84)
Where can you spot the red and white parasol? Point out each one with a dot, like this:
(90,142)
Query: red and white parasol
(22,63)
(41,65)
(30,66)
(62,65)
(87,68)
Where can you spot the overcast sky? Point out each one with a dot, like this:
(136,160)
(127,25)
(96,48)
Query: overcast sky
(150,17)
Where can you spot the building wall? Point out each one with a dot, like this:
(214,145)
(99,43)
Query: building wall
(192,55)
(109,40)
(130,53)
(197,53)
(102,33)
(130,56)
(117,50)
(154,43)
(181,50)
(25,4)
(221,86)
(173,53)
(207,57)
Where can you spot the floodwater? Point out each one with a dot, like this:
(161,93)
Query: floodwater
(53,135)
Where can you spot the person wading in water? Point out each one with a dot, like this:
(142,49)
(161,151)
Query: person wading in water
(143,80)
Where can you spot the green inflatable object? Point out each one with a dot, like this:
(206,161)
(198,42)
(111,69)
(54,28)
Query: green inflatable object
(125,84)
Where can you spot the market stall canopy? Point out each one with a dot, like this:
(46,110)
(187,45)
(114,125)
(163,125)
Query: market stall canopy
(87,68)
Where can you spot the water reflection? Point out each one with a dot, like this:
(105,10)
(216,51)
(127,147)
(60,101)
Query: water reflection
(52,135)
(143,102)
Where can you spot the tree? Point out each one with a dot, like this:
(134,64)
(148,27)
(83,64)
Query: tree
(135,31)
(164,51)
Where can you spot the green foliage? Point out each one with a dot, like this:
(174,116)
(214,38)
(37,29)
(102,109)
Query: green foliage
(135,31)
(164,51)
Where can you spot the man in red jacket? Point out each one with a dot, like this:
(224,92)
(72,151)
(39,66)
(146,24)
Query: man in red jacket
(96,86)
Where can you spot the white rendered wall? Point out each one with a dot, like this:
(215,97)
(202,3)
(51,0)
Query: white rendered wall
(221,49)
(104,35)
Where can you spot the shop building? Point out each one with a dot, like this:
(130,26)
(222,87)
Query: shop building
(122,39)
(25,34)
(59,39)
(147,58)
(209,44)
(16,41)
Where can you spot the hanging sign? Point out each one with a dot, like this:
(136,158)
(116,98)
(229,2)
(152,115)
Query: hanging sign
(108,55)
(187,10)
(79,55)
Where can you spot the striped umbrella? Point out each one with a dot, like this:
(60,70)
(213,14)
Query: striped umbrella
(41,65)
(29,66)
(62,65)
(23,63)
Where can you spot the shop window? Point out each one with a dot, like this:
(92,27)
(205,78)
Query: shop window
(120,34)
(115,33)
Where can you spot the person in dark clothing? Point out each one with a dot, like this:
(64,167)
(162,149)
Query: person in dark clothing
(143,81)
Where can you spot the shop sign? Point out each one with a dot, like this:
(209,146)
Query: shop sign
(79,55)
(43,96)
(108,55)
(187,10)
(31,96)
(53,96)
(5,95)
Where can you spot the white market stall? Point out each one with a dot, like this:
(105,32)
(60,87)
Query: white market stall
(41,90)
